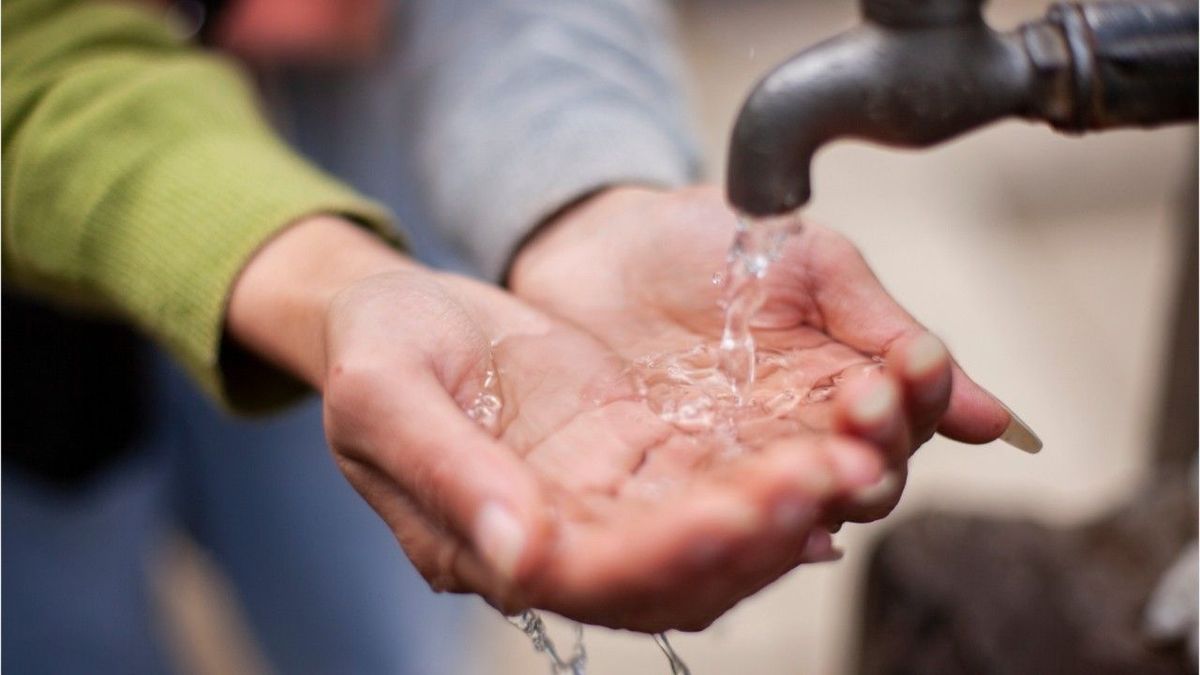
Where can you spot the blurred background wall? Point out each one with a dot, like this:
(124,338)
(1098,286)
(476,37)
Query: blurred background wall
(1047,265)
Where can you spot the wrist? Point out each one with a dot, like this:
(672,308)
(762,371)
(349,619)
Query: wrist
(279,305)
(570,226)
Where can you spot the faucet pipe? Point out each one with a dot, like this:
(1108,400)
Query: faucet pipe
(919,72)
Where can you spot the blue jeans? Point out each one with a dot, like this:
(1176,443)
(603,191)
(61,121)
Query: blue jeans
(323,583)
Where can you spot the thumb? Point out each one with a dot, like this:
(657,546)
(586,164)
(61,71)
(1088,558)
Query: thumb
(464,479)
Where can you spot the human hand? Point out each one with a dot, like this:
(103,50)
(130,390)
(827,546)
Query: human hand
(633,267)
(565,492)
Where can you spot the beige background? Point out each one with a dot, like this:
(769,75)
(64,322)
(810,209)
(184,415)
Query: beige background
(1044,262)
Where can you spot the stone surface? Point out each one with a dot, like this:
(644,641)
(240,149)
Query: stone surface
(957,594)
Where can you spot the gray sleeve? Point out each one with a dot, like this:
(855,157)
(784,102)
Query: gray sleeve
(527,105)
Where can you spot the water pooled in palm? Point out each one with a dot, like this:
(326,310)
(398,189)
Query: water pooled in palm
(485,408)
(719,391)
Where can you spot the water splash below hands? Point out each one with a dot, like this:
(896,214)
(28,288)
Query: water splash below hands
(532,625)
(678,667)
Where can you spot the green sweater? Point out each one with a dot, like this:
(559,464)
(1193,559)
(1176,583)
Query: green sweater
(139,178)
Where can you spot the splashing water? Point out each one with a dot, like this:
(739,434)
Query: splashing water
(716,392)
(690,390)
(756,244)
(734,396)
(532,625)
(678,667)
(486,406)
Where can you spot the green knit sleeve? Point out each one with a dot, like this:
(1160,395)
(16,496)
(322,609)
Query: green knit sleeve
(139,178)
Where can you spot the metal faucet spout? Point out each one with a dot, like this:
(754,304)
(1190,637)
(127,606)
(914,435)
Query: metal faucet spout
(919,72)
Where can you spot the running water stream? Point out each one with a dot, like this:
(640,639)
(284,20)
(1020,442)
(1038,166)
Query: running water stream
(756,244)
(532,626)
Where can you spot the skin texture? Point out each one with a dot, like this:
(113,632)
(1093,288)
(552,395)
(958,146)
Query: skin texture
(267,32)
(579,499)
(633,267)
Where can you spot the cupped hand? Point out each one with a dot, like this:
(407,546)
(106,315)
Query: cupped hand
(635,267)
(513,456)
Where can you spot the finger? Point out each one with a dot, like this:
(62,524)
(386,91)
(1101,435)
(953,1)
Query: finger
(790,482)
(458,476)
(744,526)
(794,481)
(819,548)
(441,558)
(975,416)
(869,407)
(606,571)
(923,366)
(858,311)
(871,503)
(855,307)
(795,534)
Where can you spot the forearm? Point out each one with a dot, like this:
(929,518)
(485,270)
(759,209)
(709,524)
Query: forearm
(279,306)
(139,177)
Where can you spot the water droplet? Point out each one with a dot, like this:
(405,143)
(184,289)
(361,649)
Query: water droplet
(678,667)
(487,405)
(820,393)
(531,624)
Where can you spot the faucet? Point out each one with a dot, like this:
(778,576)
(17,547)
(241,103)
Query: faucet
(919,72)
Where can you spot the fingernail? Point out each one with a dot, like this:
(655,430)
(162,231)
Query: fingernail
(793,513)
(1019,435)
(872,407)
(883,489)
(924,354)
(500,537)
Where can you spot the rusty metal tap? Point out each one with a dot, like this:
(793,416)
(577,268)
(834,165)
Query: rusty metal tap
(918,72)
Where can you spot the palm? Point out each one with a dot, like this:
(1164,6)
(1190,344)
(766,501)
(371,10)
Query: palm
(623,514)
(645,286)
(595,490)
(637,269)
(642,510)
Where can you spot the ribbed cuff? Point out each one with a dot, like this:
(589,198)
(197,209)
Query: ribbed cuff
(190,220)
